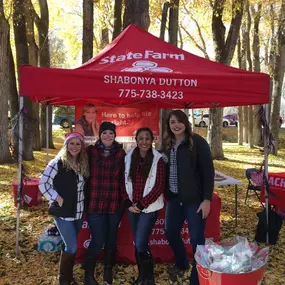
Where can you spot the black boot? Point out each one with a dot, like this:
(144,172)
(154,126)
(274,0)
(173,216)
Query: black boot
(66,268)
(109,260)
(139,280)
(147,268)
(89,266)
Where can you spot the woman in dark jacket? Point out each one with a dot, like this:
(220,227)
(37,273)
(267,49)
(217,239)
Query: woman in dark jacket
(105,194)
(63,183)
(190,187)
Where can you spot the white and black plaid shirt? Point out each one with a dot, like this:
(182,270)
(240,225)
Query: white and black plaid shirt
(46,188)
(173,180)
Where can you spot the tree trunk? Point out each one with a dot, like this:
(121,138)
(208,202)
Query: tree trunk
(88,22)
(245,126)
(246,40)
(240,126)
(257,134)
(5,156)
(173,22)
(22,58)
(43,28)
(224,51)
(137,12)
(240,114)
(277,78)
(43,125)
(117,18)
(163,20)
(13,93)
(243,65)
(33,60)
(215,141)
(104,37)
(250,126)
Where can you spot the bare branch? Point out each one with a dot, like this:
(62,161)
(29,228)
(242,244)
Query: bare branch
(201,48)
(200,33)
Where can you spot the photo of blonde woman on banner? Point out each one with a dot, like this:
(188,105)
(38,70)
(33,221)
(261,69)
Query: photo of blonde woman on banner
(87,125)
(127,120)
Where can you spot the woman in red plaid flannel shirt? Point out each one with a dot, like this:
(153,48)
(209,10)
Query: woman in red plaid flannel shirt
(145,179)
(104,196)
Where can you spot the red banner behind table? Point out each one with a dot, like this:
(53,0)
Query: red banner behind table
(126,119)
(157,242)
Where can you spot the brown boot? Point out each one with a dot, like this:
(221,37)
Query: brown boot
(109,260)
(66,268)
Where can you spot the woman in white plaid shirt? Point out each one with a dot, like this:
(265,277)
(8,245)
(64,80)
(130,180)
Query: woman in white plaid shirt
(63,184)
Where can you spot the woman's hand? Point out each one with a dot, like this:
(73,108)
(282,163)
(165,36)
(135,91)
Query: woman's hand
(134,209)
(59,200)
(205,207)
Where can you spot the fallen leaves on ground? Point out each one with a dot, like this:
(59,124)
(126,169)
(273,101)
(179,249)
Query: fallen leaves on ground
(33,268)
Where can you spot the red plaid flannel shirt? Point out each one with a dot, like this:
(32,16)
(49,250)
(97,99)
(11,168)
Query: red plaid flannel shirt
(107,180)
(157,190)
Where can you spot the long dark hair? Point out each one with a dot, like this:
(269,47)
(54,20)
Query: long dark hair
(169,137)
(147,162)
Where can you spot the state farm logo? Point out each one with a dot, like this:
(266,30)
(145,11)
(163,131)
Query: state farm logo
(145,65)
(86,243)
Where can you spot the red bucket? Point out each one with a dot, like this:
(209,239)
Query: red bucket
(31,195)
(209,277)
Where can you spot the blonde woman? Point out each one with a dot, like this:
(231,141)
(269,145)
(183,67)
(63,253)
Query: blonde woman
(63,183)
(87,124)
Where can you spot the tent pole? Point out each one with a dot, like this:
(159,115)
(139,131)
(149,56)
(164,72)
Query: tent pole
(47,133)
(20,160)
(266,151)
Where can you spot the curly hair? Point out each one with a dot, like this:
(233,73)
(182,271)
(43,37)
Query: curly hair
(68,161)
(169,137)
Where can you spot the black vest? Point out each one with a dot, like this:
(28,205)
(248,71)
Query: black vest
(65,184)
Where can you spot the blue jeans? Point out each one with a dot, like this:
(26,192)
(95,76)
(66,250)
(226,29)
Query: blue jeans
(103,228)
(142,225)
(69,231)
(176,213)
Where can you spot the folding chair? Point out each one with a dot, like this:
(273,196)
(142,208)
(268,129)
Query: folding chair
(255,186)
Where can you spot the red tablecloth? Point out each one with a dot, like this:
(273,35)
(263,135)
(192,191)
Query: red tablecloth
(276,190)
(158,242)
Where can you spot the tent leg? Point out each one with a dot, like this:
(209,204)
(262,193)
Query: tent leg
(47,132)
(266,151)
(20,160)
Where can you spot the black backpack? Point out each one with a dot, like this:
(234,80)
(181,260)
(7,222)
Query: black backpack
(275,224)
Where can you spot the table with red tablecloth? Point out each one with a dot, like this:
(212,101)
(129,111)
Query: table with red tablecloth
(276,183)
(158,243)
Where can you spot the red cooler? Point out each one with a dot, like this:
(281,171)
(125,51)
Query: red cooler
(31,195)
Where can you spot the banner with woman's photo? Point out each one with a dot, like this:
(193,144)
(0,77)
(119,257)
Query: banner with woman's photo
(127,120)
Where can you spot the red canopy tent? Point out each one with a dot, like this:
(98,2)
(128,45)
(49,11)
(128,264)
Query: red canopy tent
(139,67)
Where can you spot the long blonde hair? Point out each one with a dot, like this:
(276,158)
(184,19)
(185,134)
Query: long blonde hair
(69,162)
